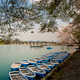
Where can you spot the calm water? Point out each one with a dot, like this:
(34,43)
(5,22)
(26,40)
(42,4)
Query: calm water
(12,53)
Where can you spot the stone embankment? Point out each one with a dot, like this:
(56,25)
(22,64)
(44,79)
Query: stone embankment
(69,69)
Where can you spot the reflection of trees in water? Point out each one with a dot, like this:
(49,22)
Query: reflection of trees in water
(62,47)
(65,48)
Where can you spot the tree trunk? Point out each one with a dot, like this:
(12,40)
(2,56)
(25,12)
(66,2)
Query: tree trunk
(79,44)
(79,48)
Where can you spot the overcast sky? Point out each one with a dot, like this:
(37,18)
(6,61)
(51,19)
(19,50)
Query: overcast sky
(36,36)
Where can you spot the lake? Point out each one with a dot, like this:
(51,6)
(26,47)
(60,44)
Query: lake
(12,53)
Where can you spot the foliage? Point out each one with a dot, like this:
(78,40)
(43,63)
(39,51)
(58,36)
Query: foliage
(71,33)
(61,9)
(13,18)
(19,16)
(16,40)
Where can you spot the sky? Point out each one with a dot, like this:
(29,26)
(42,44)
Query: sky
(36,36)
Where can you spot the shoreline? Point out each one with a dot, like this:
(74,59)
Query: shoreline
(58,72)
(39,44)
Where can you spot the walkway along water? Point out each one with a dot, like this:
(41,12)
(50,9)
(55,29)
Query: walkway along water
(69,69)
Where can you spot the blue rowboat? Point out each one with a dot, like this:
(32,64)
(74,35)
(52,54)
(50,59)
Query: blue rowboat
(42,66)
(16,75)
(49,54)
(27,73)
(60,57)
(38,60)
(64,51)
(49,47)
(57,59)
(32,61)
(43,59)
(37,70)
(15,66)
(48,64)
(54,62)
(47,57)
(24,62)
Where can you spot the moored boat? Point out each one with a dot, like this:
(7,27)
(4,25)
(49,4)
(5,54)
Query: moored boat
(47,57)
(54,62)
(42,66)
(43,59)
(15,66)
(49,47)
(60,57)
(16,75)
(32,61)
(48,64)
(27,73)
(37,70)
(57,59)
(51,54)
(24,62)
(36,46)
(38,60)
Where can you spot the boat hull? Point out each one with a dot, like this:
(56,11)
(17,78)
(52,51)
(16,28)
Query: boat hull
(39,74)
(15,69)
(59,60)
(27,73)
(24,64)
(32,63)
(39,61)
(16,75)
(54,62)
(49,48)
(15,66)
(50,66)
(44,60)
(47,70)
(30,78)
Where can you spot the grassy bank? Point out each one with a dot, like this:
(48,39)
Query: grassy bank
(2,43)
(68,70)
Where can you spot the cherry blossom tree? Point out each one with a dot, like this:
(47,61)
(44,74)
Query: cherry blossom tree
(70,33)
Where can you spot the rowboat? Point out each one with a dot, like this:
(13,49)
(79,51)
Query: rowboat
(57,59)
(47,57)
(49,47)
(60,57)
(43,59)
(16,75)
(38,60)
(48,64)
(32,61)
(27,73)
(15,66)
(37,70)
(24,62)
(51,54)
(54,62)
(42,66)
(36,46)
